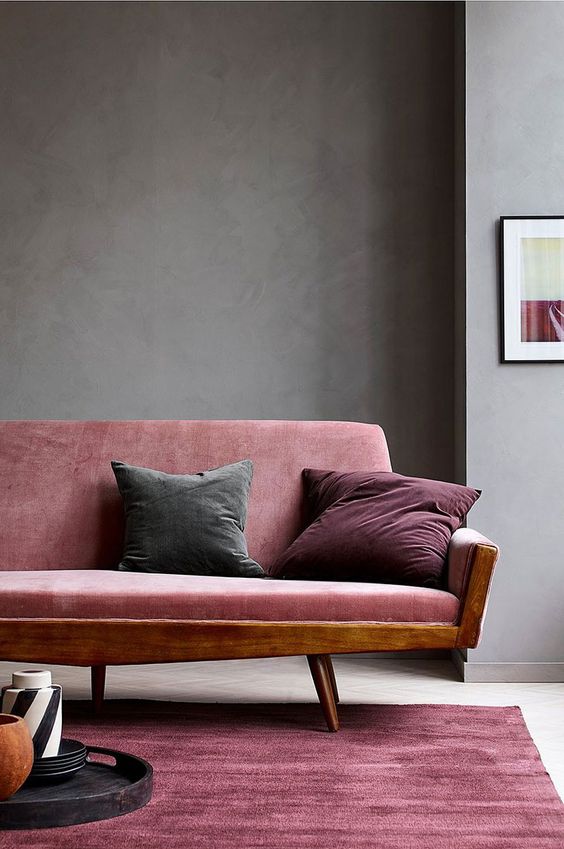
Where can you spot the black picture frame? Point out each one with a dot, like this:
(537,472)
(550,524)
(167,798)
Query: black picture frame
(514,319)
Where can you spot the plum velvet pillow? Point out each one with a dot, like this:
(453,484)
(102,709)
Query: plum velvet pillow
(375,527)
(186,524)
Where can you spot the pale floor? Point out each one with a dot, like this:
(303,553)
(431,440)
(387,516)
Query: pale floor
(365,680)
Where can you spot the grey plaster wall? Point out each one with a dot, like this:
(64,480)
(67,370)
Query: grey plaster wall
(459,278)
(230,210)
(515,166)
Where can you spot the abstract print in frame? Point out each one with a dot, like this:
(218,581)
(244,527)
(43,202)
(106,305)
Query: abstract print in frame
(532,288)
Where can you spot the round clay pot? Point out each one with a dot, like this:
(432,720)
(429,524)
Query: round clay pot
(16,754)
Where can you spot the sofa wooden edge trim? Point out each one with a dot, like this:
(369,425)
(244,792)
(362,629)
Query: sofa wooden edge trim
(87,642)
(474,600)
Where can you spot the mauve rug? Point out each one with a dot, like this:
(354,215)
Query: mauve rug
(394,777)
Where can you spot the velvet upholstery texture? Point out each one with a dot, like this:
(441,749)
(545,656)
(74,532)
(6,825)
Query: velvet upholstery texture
(461,548)
(376,526)
(186,524)
(61,509)
(100,594)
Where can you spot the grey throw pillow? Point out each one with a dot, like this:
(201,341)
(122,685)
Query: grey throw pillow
(186,524)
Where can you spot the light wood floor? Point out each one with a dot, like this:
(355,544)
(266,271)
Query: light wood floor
(367,679)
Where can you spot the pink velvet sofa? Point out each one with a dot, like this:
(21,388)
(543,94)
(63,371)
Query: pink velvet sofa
(61,600)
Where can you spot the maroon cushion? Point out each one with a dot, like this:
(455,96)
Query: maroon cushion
(375,526)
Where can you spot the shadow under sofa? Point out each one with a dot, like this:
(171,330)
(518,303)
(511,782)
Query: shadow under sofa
(62,600)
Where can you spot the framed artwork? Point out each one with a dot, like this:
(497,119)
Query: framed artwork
(532,289)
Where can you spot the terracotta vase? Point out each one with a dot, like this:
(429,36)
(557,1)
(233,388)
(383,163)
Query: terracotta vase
(16,754)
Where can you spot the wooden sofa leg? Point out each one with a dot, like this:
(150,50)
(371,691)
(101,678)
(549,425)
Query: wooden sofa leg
(322,680)
(98,679)
(331,671)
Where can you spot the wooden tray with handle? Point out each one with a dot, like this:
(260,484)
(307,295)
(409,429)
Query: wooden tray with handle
(109,785)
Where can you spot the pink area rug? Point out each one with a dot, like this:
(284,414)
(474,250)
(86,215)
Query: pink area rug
(394,777)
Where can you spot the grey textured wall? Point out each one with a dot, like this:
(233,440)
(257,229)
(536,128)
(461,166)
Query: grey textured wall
(230,210)
(459,278)
(515,162)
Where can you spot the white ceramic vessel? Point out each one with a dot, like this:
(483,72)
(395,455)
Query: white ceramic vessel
(38,701)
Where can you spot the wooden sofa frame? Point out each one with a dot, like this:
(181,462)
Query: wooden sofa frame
(99,643)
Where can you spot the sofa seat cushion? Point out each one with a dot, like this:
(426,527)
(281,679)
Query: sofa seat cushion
(104,594)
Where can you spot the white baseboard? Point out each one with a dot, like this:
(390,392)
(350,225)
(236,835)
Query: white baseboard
(508,673)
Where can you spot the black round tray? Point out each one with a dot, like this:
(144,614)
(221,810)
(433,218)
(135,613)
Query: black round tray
(97,792)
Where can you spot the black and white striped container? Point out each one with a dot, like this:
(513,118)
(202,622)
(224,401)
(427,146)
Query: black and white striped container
(39,702)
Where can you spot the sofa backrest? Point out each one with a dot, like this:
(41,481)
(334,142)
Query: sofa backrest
(59,503)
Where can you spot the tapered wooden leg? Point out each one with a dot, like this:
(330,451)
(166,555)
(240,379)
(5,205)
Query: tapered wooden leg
(331,671)
(322,680)
(98,679)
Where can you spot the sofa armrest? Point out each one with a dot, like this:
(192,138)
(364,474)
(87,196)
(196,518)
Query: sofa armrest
(460,555)
(471,561)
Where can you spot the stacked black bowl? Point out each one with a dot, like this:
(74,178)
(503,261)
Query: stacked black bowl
(70,759)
